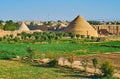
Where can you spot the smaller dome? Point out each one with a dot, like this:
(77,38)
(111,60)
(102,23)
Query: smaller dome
(24,27)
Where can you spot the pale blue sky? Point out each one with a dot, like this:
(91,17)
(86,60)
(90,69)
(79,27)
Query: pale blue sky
(43,10)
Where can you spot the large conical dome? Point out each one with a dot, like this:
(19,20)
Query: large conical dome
(80,26)
(23,27)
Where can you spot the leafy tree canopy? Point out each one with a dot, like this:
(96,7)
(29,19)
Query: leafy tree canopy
(10,25)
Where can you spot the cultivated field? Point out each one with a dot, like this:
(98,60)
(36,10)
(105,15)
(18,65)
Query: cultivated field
(79,48)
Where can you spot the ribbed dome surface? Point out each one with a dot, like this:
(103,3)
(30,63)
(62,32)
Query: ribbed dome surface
(23,27)
(80,26)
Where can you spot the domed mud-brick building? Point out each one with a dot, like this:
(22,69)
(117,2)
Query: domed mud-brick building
(23,27)
(80,26)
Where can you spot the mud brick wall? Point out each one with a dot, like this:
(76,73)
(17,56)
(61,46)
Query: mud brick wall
(108,29)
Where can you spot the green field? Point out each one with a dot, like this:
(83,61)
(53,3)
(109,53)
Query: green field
(68,48)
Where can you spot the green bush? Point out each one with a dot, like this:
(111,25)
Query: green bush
(52,63)
(11,28)
(6,56)
(95,63)
(16,39)
(71,59)
(92,37)
(82,36)
(107,69)
(85,64)
(77,36)
(31,52)
(0,38)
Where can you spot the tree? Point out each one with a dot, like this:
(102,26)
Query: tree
(10,25)
(36,35)
(17,25)
(56,38)
(16,39)
(49,23)
(0,38)
(60,34)
(95,63)
(92,37)
(29,35)
(31,52)
(95,22)
(71,59)
(11,36)
(82,36)
(107,69)
(78,36)
(88,36)
(44,38)
(59,21)
(71,34)
(31,23)
(23,35)
(1,27)
(1,21)
(51,36)
(117,23)
(85,64)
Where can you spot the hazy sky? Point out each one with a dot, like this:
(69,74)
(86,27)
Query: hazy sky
(43,10)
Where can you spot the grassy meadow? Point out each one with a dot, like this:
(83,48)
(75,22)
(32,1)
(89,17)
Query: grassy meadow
(18,70)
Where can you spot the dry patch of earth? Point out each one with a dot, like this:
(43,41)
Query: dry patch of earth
(114,58)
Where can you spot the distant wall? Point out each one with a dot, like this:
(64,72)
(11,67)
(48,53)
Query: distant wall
(3,33)
(108,29)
